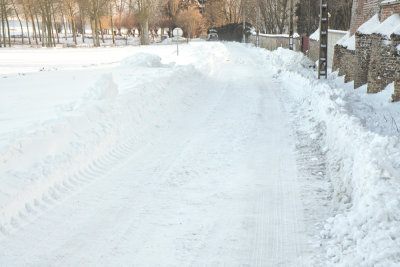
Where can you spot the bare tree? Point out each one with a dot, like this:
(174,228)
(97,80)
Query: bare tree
(190,21)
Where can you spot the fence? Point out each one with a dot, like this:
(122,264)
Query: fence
(273,41)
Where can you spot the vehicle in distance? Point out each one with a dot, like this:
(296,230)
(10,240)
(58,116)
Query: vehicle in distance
(212,36)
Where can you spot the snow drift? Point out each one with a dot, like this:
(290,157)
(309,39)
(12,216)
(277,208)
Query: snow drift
(64,154)
(363,167)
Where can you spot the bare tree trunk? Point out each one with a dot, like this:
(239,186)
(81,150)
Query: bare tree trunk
(96,26)
(64,25)
(71,16)
(93,30)
(38,26)
(83,29)
(144,37)
(49,25)
(101,30)
(3,28)
(82,15)
(43,31)
(55,24)
(8,27)
(19,20)
(112,25)
(27,23)
(33,27)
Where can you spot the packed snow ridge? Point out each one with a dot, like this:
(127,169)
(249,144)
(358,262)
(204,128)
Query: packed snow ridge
(173,155)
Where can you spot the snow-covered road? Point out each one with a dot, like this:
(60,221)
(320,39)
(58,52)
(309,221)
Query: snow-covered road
(227,155)
(214,184)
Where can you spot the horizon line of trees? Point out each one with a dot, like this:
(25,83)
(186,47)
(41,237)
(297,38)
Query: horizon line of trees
(43,22)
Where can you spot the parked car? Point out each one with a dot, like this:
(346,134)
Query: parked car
(212,36)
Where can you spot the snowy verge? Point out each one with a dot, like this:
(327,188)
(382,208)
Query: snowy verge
(116,116)
(363,168)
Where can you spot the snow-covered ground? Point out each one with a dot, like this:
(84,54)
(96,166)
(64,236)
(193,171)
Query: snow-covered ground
(226,155)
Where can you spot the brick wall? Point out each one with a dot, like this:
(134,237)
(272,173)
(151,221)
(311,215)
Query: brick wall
(363,10)
(387,10)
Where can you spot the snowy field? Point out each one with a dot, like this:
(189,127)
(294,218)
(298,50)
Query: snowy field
(227,155)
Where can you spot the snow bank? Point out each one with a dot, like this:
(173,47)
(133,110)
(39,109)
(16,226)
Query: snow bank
(142,60)
(363,169)
(45,164)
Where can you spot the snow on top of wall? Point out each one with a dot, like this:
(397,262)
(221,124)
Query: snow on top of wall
(315,35)
(337,31)
(295,35)
(389,2)
(343,39)
(387,27)
(397,30)
(369,26)
(350,43)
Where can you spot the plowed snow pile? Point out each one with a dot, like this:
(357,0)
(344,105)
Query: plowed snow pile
(363,161)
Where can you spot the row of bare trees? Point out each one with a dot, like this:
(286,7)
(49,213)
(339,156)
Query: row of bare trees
(268,16)
(45,22)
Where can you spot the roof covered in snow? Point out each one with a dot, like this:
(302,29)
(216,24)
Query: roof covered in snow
(315,35)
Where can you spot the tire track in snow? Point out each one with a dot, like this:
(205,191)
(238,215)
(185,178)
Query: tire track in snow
(219,193)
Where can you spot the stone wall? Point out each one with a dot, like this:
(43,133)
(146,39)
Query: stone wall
(363,52)
(396,94)
(376,60)
(384,63)
(345,63)
(338,58)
